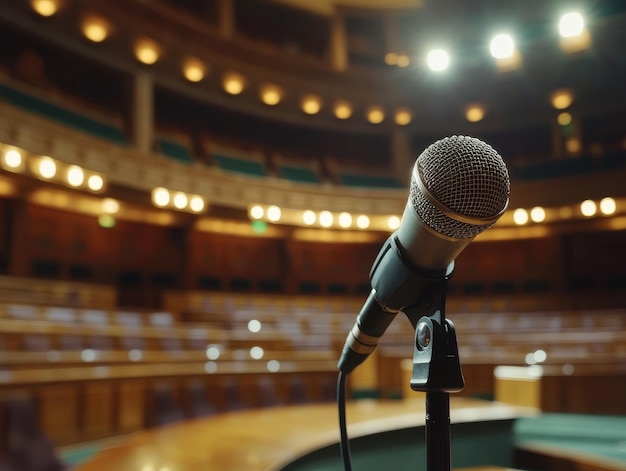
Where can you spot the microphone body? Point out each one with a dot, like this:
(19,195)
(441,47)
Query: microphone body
(459,188)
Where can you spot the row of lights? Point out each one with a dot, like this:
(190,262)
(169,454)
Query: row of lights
(588,208)
(164,198)
(96,28)
(501,47)
(147,51)
(325,219)
(344,220)
(49,169)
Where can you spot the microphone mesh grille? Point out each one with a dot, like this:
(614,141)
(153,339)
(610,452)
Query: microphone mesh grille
(465,175)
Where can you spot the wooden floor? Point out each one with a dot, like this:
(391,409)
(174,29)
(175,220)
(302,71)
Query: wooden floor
(268,439)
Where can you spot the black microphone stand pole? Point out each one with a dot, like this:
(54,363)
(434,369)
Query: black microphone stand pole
(436,370)
(399,286)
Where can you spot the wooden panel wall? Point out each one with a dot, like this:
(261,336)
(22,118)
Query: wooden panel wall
(142,260)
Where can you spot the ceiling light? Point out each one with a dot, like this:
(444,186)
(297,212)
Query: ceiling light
(343,110)
(561,99)
(12,159)
(345,220)
(233,83)
(474,113)
(256,212)
(502,46)
(375,115)
(438,60)
(403,61)
(393,222)
(573,145)
(311,104)
(403,117)
(75,176)
(47,168)
(326,219)
(564,118)
(274,213)
(363,222)
(160,197)
(588,208)
(271,94)
(391,58)
(538,214)
(608,206)
(194,69)
(180,200)
(147,51)
(571,24)
(196,204)
(95,183)
(110,206)
(45,7)
(308,217)
(95,28)
(520,216)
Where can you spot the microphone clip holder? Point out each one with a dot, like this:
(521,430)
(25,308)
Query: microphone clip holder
(436,370)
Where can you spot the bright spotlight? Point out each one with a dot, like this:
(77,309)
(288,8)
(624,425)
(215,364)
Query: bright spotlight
(47,168)
(438,60)
(45,7)
(326,219)
(95,183)
(160,197)
(363,222)
(308,217)
(608,205)
(538,214)
(110,206)
(13,159)
(196,204)
(256,212)
(75,175)
(502,46)
(588,208)
(345,220)
(571,24)
(147,51)
(393,222)
(520,216)
(180,200)
(274,213)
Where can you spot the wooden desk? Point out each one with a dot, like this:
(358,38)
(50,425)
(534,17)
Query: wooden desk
(270,439)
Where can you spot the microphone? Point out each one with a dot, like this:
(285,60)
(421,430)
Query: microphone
(459,188)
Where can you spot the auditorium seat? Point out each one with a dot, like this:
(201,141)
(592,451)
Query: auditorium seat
(297,170)
(267,392)
(24,444)
(297,391)
(175,147)
(32,101)
(199,405)
(359,175)
(234,160)
(165,409)
(234,401)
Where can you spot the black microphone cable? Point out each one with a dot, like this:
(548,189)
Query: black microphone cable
(344,443)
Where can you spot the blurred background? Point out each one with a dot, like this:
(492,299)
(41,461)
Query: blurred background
(192,194)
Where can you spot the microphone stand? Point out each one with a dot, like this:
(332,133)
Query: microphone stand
(436,370)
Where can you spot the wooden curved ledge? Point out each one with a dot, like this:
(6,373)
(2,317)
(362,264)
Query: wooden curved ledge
(269,439)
